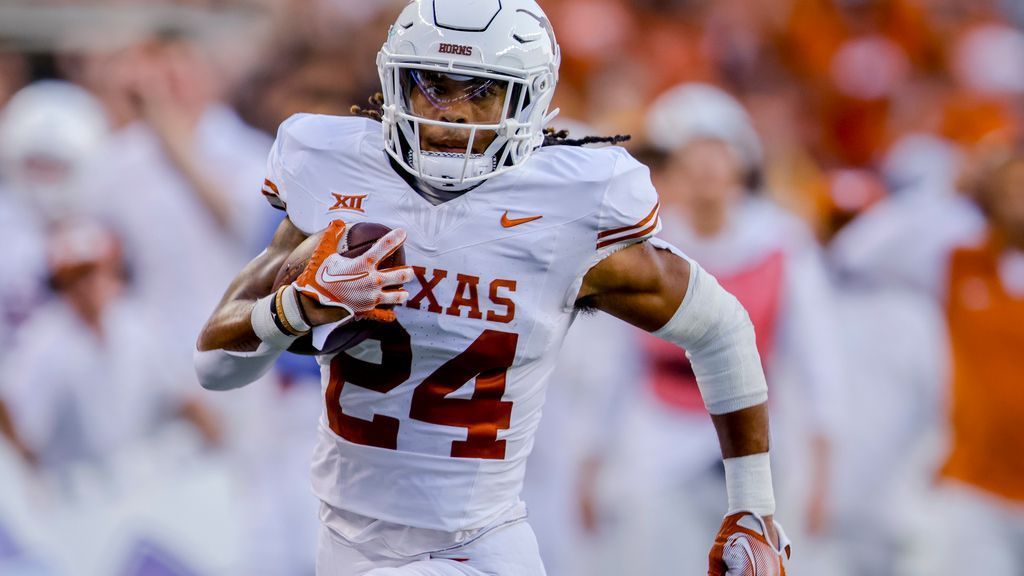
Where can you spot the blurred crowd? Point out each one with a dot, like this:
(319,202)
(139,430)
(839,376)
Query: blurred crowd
(852,170)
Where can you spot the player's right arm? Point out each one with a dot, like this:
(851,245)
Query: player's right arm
(229,353)
(230,326)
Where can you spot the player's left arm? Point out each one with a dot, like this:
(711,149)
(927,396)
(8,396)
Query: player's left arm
(658,290)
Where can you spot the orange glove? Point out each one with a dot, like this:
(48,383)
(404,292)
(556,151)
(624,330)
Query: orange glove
(355,284)
(742,548)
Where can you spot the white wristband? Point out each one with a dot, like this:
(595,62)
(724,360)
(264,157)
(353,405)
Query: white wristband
(293,310)
(264,326)
(748,481)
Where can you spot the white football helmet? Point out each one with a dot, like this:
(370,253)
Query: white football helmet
(696,111)
(50,133)
(456,50)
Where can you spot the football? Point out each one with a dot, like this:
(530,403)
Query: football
(360,238)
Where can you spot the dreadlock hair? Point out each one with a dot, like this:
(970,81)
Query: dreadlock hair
(552,137)
(374,112)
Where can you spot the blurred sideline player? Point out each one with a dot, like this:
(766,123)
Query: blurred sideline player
(179,159)
(51,134)
(894,359)
(83,381)
(772,263)
(982,489)
(969,256)
(427,425)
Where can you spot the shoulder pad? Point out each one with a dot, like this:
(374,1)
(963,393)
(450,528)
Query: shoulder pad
(300,139)
(629,209)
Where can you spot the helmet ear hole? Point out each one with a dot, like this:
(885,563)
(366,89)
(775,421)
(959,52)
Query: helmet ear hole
(523,148)
(541,83)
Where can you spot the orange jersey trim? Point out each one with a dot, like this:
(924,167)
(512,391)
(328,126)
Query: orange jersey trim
(653,214)
(639,234)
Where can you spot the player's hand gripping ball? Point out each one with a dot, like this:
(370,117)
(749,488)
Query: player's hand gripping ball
(742,548)
(359,268)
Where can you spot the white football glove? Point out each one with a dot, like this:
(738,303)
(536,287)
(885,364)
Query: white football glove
(742,548)
(356,284)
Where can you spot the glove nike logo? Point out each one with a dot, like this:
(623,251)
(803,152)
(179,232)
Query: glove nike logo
(326,277)
(507,222)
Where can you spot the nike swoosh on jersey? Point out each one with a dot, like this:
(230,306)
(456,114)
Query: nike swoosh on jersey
(327,277)
(512,223)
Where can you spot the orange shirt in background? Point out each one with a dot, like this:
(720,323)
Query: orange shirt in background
(986,326)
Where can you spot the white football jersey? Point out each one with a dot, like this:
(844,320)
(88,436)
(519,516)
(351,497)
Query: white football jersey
(429,423)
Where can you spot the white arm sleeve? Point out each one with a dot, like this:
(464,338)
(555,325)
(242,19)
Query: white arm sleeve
(222,370)
(716,332)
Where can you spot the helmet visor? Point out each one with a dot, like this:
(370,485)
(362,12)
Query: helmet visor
(456,97)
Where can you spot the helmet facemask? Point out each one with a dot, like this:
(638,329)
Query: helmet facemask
(453,126)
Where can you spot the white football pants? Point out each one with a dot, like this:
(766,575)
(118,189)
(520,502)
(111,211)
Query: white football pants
(508,550)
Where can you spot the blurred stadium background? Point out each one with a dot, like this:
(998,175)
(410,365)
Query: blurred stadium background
(848,168)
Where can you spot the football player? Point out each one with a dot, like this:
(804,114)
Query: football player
(427,425)
(966,254)
(104,396)
(51,135)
